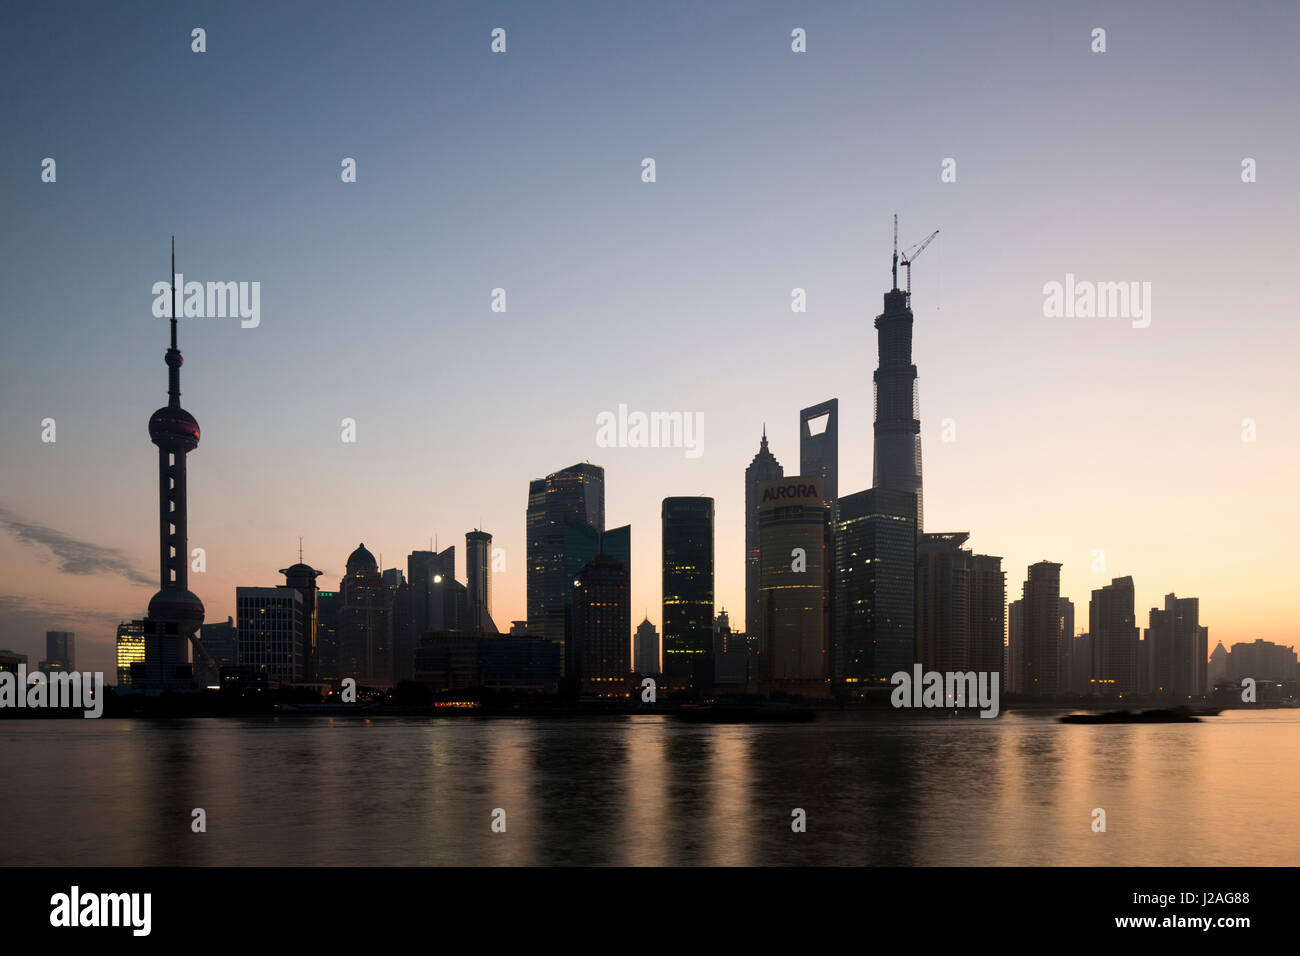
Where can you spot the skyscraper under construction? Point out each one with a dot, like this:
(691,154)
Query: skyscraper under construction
(897,465)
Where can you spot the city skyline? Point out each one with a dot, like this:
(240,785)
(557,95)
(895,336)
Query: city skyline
(1071,435)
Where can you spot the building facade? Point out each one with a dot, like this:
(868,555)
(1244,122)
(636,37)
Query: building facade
(794,540)
(688,593)
(763,467)
(269,624)
(1112,627)
(875,589)
(602,599)
(573,496)
(1041,631)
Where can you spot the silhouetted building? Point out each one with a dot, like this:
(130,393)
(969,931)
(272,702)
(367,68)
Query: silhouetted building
(875,590)
(1065,646)
(463,661)
(1177,649)
(1113,628)
(405,631)
(60,651)
(1081,664)
(897,458)
(573,495)
(764,467)
(647,648)
(129,650)
(688,593)
(943,599)
(819,446)
(1041,629)
(328,606)
(1015,646)
(438,601)
(960,606)
(581,544)
(302,578)
(269,626)
(988,606)
(175,612)
(363,624)
(602,628)
(1218,663)
(478,581)
(794,540)
(1261,661)
(10,661)
(730,653)
(819,456)
(217,647)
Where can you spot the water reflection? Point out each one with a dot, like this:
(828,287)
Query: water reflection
(650,791)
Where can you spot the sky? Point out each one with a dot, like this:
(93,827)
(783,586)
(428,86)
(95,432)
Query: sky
(522,171)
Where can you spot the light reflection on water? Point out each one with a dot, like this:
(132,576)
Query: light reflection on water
(650,791)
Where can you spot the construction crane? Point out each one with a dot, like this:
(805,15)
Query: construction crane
(910,256)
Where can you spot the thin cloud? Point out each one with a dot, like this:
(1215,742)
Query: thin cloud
(73,556)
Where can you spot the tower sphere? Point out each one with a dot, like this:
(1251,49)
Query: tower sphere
(174,429)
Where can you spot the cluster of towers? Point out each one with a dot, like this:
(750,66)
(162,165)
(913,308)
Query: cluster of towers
(841,591)
(1113,658)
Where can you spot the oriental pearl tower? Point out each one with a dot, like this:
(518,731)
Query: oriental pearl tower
(175,612)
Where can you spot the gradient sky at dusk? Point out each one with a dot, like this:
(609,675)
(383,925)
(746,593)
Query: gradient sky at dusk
(522,171)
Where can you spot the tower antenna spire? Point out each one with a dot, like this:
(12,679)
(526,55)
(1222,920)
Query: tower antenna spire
(172,283)
(894,269)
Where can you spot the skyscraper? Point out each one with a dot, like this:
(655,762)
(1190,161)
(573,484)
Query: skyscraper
(478,581)
(875,587)
(363,624)
(175,612)
(988,608)
(764,467)
(130,650)
(216,647)
(646,646)
(1176,651)
(580,544)
(1112,625)
(435,596)
(730,652)
(60,651)
(406,637)
(819,445)
(1012,672)
(1065,646)
(573,495)
(688,593)
(602,599)
(897,458)
(328,652)
(793,536)
(302,578)
(960,606)
(943,602)
(269,622)
(1041,631)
